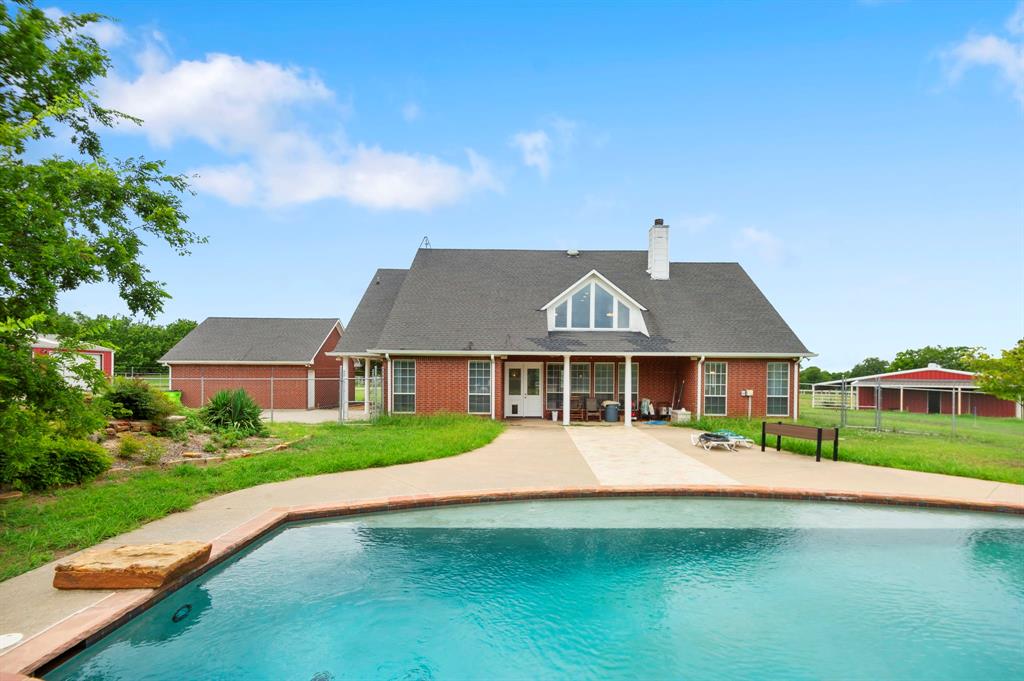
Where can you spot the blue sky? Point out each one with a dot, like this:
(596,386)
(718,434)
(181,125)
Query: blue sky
(864,161)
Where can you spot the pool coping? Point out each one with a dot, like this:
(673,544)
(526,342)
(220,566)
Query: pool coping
(81,629)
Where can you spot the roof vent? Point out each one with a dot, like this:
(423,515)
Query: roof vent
(572,253)
(933,365)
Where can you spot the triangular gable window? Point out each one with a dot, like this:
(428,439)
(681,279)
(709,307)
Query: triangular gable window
(595,304)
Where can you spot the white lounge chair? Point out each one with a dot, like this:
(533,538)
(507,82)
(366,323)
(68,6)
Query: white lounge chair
(710,440)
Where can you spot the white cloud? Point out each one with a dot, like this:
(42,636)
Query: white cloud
(759,242)
(535,147)
(236,184)
(248,110)
(411,111)
(1015,24)
(1005,55)
(223,100)
(106,33)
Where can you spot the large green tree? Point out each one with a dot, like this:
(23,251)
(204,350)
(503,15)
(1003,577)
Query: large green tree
(1002,376)
(868,367)
(952,357)
(814,374)
(66,219)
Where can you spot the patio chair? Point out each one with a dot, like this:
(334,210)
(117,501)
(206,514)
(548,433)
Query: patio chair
(736,438)
(592,408)
(711,440)
(576,412)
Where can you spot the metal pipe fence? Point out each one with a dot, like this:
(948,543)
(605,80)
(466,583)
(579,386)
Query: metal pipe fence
(876,406)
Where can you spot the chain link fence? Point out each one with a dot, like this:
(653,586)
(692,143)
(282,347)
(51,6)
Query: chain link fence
(932,411)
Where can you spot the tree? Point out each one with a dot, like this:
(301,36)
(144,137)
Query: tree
(868,367)
(954,357)
(1001,376)
(815,375)
(65,220)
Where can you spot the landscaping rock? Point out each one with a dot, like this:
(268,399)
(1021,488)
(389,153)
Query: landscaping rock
(192,455)
(143,566)
(4,496)
(174,418)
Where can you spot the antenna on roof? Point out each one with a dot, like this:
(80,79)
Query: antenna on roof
(425,243)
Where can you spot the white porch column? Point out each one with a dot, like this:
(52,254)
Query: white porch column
(796,382)
(565,390)
(901,398)
(492,388)
(628,392)
(343,390)
(390,384)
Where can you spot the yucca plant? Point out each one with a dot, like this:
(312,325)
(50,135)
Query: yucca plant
(234,409)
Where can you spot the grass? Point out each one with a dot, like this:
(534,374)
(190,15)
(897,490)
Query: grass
(985,448)
(38,528)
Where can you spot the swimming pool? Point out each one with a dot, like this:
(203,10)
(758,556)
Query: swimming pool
(598,588)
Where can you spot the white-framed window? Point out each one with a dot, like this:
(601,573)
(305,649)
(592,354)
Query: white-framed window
(714,388)
(579,377)
(479,387)
(595,304)
(778,389)
(553,384)
(604,381)
(404,385)
(635,387)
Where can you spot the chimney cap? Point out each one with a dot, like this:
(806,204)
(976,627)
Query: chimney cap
(659,221)
(572,252)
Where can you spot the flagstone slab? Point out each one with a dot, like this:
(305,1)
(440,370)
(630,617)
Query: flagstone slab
(140,566)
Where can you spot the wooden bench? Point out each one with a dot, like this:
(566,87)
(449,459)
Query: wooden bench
(779,429)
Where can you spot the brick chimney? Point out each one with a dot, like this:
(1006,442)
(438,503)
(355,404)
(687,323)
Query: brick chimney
(657,250)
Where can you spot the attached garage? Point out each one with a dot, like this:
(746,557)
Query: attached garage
(281,362)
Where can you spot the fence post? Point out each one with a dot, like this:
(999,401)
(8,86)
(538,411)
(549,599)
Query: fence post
(842,404)
(878,404)
(953,406)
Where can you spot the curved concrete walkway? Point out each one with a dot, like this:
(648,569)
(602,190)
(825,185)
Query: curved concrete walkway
(529,454)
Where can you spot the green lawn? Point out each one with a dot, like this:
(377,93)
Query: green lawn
(38,528)
(986,448)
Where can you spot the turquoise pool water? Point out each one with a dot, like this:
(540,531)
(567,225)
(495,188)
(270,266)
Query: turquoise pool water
(601,588)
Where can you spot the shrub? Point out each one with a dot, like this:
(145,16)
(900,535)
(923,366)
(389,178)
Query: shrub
(234,409)
(210,446)
(128,447)
(138,400)
(152,450)
(64,462)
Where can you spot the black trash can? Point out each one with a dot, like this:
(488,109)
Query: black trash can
(611,412)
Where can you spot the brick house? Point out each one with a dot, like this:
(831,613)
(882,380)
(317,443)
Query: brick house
(521,333)
(281,362)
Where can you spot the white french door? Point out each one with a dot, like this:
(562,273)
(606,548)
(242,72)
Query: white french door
(522,389)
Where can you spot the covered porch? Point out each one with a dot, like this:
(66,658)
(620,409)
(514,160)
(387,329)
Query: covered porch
(569,387)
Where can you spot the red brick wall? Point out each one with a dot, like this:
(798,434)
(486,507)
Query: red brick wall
(199,382)
(442,382)
(751,374)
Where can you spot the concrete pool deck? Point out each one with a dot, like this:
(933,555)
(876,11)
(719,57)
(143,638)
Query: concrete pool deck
(528,455)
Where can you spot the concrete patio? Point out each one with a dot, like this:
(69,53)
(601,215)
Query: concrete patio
(529,454)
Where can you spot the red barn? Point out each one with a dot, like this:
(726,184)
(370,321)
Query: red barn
(931,390)
(102,357)
(280,362)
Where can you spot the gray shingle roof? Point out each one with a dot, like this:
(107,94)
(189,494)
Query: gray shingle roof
(455,300)
(369,318)
(252,339)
